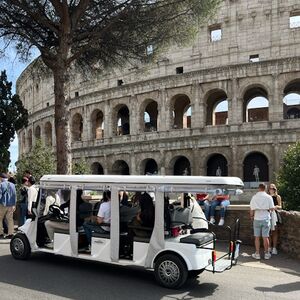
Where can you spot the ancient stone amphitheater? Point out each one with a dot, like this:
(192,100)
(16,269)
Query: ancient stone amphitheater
(229,104)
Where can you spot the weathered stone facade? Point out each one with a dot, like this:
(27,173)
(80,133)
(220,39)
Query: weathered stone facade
(179,94)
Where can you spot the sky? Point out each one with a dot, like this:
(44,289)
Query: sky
(10,62)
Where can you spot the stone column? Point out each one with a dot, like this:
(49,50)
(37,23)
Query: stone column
(133,115)
(196,122)
(235,105)
(108,117)
(86,124)
(201,109)
(275,102)
(163,114)
(235,166)
(133,170)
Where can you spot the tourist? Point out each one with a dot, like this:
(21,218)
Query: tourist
(23,203)
(220,198)
(7,205)
(277,219)
(260,206)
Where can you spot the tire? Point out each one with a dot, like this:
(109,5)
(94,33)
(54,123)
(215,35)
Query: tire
(195,273)
(19,247)
(170,271)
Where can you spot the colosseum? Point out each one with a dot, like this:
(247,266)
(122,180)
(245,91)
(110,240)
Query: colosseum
(229,104)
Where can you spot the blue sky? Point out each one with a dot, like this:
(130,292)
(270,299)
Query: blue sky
(10,62)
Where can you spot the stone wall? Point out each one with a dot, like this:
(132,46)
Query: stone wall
(290,233)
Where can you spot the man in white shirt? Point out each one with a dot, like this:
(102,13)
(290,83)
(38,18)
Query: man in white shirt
(32,193)
(260,206)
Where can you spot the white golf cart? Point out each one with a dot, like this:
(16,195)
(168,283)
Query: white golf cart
(179,246)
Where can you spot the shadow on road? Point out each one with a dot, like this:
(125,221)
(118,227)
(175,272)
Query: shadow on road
(281,288)
(79,279)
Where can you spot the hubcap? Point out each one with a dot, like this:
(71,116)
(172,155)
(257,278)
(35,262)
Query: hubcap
(18,246)
(169,272)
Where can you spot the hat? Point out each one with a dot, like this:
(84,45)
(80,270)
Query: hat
(218,192)
(2,175)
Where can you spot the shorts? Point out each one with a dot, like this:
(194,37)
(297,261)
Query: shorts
(261,228)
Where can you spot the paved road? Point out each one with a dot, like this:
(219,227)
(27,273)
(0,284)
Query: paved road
(54,277)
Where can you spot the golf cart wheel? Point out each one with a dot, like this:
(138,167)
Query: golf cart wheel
(170,271)
(19,247)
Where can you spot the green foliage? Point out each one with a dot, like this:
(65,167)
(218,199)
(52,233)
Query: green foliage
(81,167)
(40,161)
(288,179)
(13,116)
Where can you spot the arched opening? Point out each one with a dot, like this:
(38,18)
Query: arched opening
(256,167)
(182,166)
(37,132)
(256,105)
(120,167)
(48,134)
(182,112)
(97,169)
(29,139)
(217,108)
(150,117)
(291,100)
(217,165)
(123,125)
(97,124)
(77,127)
(149,167)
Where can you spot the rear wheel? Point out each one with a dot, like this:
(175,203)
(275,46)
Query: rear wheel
(19,246)
(170,271)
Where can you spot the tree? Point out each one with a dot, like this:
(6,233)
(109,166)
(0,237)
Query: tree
(288,179)
(81,167)
(13,116)
(95,34)
(40,161)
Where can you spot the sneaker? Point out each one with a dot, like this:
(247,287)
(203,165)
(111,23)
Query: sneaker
(269,250)
(274,251)
(88,249)
(268,255)
(256,256)
(212,220)
(221,222)
(49,245)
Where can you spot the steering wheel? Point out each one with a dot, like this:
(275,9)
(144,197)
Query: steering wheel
(57,212)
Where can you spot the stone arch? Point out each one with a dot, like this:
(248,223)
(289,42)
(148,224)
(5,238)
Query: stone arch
(77,127)
(97,119)
(216,107)
(255,160)
(29,139)
(37,132)
(149,167)
(149,115)
(48,134)
(120,167)
(255,104)
(97,169)
(291,100)
(121,121)
(181,111)
(181,165)
(217,165)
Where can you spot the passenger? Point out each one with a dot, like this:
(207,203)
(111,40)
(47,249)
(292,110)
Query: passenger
(23,203)
(103,217)
(220,198)
(203,200)
(145,217)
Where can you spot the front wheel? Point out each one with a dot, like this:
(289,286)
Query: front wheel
(19,247)
(170,271)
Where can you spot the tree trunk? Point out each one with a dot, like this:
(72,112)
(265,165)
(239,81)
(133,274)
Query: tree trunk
(62,128)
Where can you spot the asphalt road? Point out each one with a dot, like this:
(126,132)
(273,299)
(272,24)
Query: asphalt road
(47,276)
